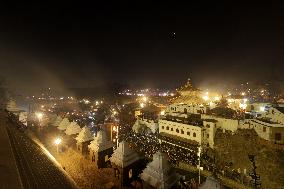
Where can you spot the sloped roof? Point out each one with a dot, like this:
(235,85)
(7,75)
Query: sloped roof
(73,128)
(159,172)
(85,135)
(123,155)
(63,124)
(100,142)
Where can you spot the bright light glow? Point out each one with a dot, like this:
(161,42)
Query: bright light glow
(114,129)
(217,98)
(207,93)
(243,93)
(205,98)
(230,100)
(142,105)
(42,106)
(144,98)
(39,115)
(243,106)
(97,103)
(162,112)
(262,108)
(245,100)
(57,141)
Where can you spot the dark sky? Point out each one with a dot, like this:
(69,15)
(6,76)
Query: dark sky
(142,43)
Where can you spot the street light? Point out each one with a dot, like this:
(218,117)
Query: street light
(57,142)
(199,168)
(39,116)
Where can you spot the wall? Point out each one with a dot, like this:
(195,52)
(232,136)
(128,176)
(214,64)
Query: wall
(151,124)
(262,129)
(223,123)
(275,115)
(188,130)
(180,108)
(208,133)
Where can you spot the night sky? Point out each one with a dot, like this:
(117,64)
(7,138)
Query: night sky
(141,44)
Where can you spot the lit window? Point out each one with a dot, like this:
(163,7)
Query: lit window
(130,173)
(106,158)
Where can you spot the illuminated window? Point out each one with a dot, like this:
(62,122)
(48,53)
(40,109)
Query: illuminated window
(106,158)
(130,173)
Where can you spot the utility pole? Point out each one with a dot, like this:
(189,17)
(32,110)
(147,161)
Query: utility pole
(255,177)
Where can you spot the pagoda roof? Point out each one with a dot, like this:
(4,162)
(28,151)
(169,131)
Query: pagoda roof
(100,142)
(123,155)
(85,135)
(159,172)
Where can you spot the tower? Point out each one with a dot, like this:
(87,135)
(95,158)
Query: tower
(126,163)
(101,149)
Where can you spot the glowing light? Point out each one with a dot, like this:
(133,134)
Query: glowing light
(114,129)
(262,108)
(142,105)
(162,112)
(217,98)
(230,100)
(243,106)
(205,98)
(144,98)
(245,100)
(243,93)
(57,141)
(42,106)
(39,115)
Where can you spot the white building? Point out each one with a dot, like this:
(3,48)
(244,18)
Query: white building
(269,131)
(183,110)
(202,134)
(276,114)
(143,123)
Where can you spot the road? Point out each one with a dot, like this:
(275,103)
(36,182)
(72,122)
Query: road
(36,167)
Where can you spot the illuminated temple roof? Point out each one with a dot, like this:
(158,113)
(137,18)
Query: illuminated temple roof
(100,143)
(189,94)
(159,173)
(123,155)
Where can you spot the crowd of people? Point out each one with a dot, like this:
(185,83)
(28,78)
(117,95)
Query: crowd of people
(148,144)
